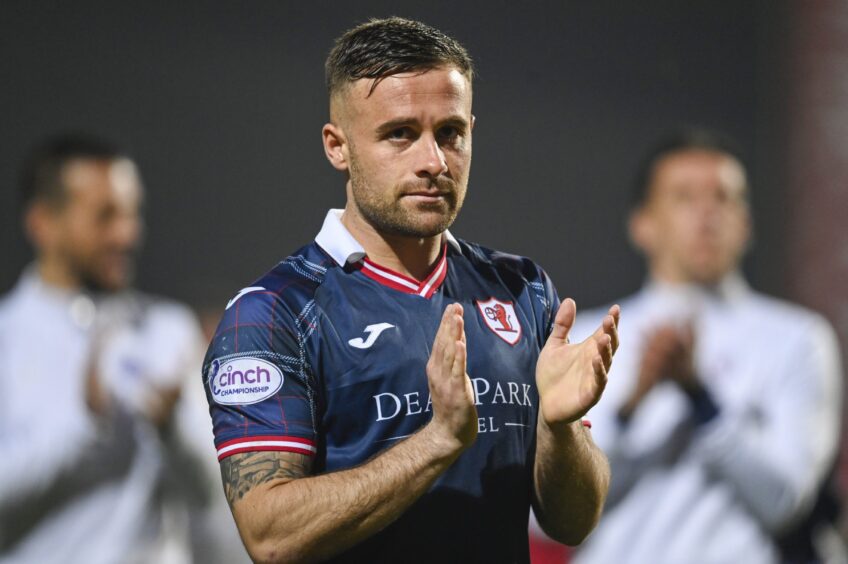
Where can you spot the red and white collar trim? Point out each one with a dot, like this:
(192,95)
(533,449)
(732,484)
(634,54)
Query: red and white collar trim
(403,283)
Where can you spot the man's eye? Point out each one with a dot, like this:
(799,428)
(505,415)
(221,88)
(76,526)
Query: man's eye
(400,133)
(448,132)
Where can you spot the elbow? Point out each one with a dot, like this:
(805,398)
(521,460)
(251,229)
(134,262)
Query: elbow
(265,548)
(574,532)
(574,522)
(268,552)
(572,527)
(262,552)
(785,513)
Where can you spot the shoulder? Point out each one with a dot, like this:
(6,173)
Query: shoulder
(791,321)
(165,309)
(288,287)
(168,320)
(506,263)
(6,305)
(519,275)
(23,306)
(589,318)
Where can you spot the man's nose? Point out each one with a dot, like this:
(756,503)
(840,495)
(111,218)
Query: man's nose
(431,158)
(125,231)
(710,213)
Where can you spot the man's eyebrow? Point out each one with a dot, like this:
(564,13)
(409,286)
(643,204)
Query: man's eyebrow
(401,122)
(397,123)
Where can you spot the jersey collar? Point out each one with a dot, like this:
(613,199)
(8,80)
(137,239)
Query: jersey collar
(337,241)
(406,284)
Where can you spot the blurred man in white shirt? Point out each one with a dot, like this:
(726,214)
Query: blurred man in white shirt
(720,429)
(97,449)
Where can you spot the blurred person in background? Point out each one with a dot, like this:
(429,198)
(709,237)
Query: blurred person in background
(720,429)
(96,446)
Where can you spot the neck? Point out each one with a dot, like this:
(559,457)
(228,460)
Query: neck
(412,256)
(678,277)
(54,272)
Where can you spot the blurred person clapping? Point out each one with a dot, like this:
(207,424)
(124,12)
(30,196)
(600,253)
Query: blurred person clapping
(95,466)
(721,417)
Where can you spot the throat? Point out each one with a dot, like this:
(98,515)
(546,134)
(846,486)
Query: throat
(415,259)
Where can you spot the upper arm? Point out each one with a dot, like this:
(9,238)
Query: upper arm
(244,472)
(259,385)
(804,412)
(252,483)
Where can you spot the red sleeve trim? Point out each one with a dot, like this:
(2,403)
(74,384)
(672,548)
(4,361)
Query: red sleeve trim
(266,443)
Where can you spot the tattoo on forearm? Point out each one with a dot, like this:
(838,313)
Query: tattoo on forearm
(242,472)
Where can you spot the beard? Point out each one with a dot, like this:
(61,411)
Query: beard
(98,277)
(389,213)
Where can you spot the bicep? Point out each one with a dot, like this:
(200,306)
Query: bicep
(244,472)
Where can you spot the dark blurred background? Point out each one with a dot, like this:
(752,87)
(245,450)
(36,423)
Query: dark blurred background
(222,103)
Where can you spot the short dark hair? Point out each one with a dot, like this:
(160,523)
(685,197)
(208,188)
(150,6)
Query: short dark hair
(41,175)
(384,47)
(686,139)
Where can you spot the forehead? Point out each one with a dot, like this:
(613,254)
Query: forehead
(88,181)
(696,168)
(409,95)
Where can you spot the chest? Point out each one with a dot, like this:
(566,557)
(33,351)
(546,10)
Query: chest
(372,367)
(44,371)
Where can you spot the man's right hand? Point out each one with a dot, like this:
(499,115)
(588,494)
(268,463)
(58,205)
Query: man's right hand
(454,414)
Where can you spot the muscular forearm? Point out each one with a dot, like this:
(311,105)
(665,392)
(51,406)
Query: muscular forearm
(571,479)
(312,518)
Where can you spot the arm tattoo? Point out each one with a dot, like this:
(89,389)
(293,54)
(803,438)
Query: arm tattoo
(242,472)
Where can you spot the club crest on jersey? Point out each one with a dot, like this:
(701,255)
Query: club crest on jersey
(501,318)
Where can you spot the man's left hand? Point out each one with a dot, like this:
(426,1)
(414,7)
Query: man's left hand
(572,377)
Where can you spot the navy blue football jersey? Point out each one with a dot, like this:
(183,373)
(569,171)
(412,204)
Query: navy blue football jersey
(325,355)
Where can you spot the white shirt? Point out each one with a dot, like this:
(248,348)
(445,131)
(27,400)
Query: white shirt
(75,487)
(717,493)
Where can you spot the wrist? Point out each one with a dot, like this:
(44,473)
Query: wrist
(704,408)
(560,430)
(628,408)
(690,385)
(443,445)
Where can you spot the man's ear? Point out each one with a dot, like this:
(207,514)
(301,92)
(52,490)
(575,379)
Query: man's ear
(39,224)
(750,232)
(642,231)
(335,146)
(473,121)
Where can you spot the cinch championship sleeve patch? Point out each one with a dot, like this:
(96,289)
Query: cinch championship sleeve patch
(260,394)
(243,381)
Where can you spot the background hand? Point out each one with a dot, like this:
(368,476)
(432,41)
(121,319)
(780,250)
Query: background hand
(668,354)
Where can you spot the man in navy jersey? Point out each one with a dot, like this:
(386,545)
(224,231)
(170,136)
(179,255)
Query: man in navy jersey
(389,393)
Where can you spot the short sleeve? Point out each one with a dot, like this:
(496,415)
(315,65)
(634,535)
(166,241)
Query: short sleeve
(260,391)
(550,300)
